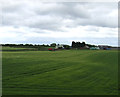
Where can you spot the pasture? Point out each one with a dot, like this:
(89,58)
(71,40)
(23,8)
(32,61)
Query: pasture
(67,72)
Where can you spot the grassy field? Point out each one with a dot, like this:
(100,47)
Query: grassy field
(69,72)
(16,49)
(7,48)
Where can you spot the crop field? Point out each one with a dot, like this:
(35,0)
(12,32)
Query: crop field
(66,72)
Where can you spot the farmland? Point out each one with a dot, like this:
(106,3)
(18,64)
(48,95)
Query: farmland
(67,72)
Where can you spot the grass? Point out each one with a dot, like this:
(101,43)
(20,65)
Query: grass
(15,49)
(71,72)
(7,48)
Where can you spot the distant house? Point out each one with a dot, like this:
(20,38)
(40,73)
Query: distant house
(59,46)
(104,47)
(87,47)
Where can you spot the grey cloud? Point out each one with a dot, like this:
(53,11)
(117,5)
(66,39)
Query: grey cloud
(99,21)
(94,28)
(50,16)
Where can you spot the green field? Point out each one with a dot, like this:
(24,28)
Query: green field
(67,72)
(16,49)
(7,48)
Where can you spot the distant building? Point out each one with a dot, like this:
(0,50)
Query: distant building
(94,48)
(87,47)
(59,46)
(115,48)
(104,47)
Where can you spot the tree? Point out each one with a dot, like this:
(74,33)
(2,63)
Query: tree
(53,44)
(83,43)
(73,44)
(66,46)
(78,45)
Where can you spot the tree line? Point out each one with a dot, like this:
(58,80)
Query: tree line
(73,45)
(80,44)
(33,45)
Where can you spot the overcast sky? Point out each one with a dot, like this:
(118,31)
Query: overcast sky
(30,21)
